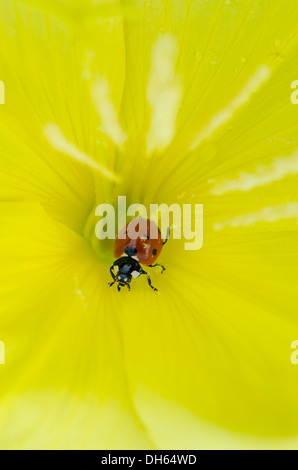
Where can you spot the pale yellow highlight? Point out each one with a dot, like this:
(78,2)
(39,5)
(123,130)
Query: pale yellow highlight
(110,125)
(161,416)
(2,353)
(164,93)
(253,84)
(111,425)
(279,168)
(2,93)
(59,142)
(267,214)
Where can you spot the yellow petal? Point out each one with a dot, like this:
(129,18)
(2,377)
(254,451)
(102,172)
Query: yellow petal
(48,62)
(63,384)
(215,343)
(236,62)
(217,339)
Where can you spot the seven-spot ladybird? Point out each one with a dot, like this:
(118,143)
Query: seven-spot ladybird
(132,252)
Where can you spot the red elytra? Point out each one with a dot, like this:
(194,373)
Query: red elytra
(148,249)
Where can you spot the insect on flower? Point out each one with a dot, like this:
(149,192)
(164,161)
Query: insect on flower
(132,250)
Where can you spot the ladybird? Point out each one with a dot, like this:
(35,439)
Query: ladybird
(131,252)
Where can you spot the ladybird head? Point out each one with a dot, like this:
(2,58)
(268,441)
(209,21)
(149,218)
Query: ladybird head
(123,279)
(130,251)
(123,270)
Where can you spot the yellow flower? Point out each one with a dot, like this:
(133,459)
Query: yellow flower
(182,101)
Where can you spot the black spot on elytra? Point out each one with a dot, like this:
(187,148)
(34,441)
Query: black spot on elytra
(154,251)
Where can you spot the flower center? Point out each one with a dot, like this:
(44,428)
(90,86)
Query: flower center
(103,249)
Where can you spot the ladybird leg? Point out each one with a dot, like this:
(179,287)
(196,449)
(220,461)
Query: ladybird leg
(112,283)
(125,284)
(112,273)
(149,280)
(121,285)
(167,237)
(158,264)
(113,276)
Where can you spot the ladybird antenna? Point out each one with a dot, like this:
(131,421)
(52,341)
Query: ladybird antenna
(167,236)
